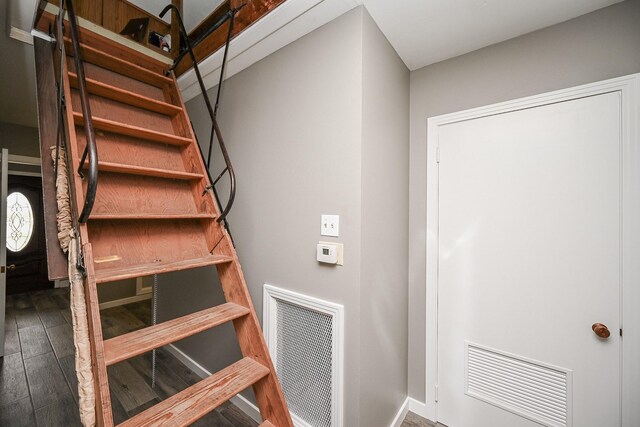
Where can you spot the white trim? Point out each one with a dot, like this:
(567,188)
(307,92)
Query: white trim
(410,405)
(61,283)
(629,87)
(247,407)
(336,311)
(123,301)
(402,412)
(20,35)
(15,159)
(286,23)
(41,35)
(240,401)
(22,173)
(24,160)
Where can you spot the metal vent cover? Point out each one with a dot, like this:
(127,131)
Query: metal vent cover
(537,391)
(304,338)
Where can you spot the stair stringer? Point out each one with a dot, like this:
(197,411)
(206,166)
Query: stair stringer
(268,391)
(270,398)
(104,415)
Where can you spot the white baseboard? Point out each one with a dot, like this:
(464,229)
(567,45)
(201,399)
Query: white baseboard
(252,410)
(247,407)
(409,405)
(20,35)
(123,301)
(241,402)
(402,412)
(64,283)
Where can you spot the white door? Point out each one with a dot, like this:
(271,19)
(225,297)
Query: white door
(529,259)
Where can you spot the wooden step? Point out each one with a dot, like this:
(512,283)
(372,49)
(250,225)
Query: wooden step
(121,273)
(193,403)
(127,150)
(266,424)
(118,65)
(134,194)
(126,97)
(138,342)
(145,171)
(130,130)
(151,216)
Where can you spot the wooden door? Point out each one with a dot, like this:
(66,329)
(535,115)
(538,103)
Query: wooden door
(26,246)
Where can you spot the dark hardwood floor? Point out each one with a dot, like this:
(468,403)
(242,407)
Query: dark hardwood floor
(38,384)
(413,420)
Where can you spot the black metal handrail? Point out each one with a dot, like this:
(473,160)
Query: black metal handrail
(215,130)
(90,150)
(224,18)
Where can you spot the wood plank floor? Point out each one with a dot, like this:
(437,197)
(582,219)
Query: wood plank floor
(38,385)
(413,420)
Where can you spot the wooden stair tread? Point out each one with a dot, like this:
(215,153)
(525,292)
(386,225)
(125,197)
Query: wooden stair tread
(130,130)
(146,171)
(201,398)
(142,215)
(140,119)
(121,273)
(138,342)
(120,66)
(127,97)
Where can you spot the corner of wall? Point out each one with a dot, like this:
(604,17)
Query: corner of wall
(385,207)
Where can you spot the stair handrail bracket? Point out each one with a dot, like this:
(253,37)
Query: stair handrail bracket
(215,129)
(90,151)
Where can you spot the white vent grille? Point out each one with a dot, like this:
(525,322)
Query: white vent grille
(536,391)
(304,337)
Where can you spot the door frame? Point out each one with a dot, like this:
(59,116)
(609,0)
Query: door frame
(4,166)
(629,88)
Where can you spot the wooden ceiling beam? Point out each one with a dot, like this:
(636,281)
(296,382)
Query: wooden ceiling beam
(249,14)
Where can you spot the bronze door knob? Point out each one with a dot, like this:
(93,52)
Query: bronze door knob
(601,330)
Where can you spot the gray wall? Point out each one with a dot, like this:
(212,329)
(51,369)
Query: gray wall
(292,123)
(385,198)
(17,71)
(597,46)
(319,127)
(117,290)
(20,140)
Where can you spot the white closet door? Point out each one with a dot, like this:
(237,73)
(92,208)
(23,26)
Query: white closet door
(529,259)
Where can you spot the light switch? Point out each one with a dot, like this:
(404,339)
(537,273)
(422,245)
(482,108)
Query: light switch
(330,225)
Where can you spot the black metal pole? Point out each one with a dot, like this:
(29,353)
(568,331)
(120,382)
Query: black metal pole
(92,184)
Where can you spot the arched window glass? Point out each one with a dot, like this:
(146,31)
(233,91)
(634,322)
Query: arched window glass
(19,221)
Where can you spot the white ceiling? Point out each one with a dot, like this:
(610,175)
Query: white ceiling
(421,31)
(427,31)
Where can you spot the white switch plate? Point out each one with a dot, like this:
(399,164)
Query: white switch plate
(330,225)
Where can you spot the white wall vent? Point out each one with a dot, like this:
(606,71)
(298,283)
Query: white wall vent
(305,339)
(537,391)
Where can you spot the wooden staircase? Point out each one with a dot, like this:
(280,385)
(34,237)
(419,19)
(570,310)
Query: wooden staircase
(154,212)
